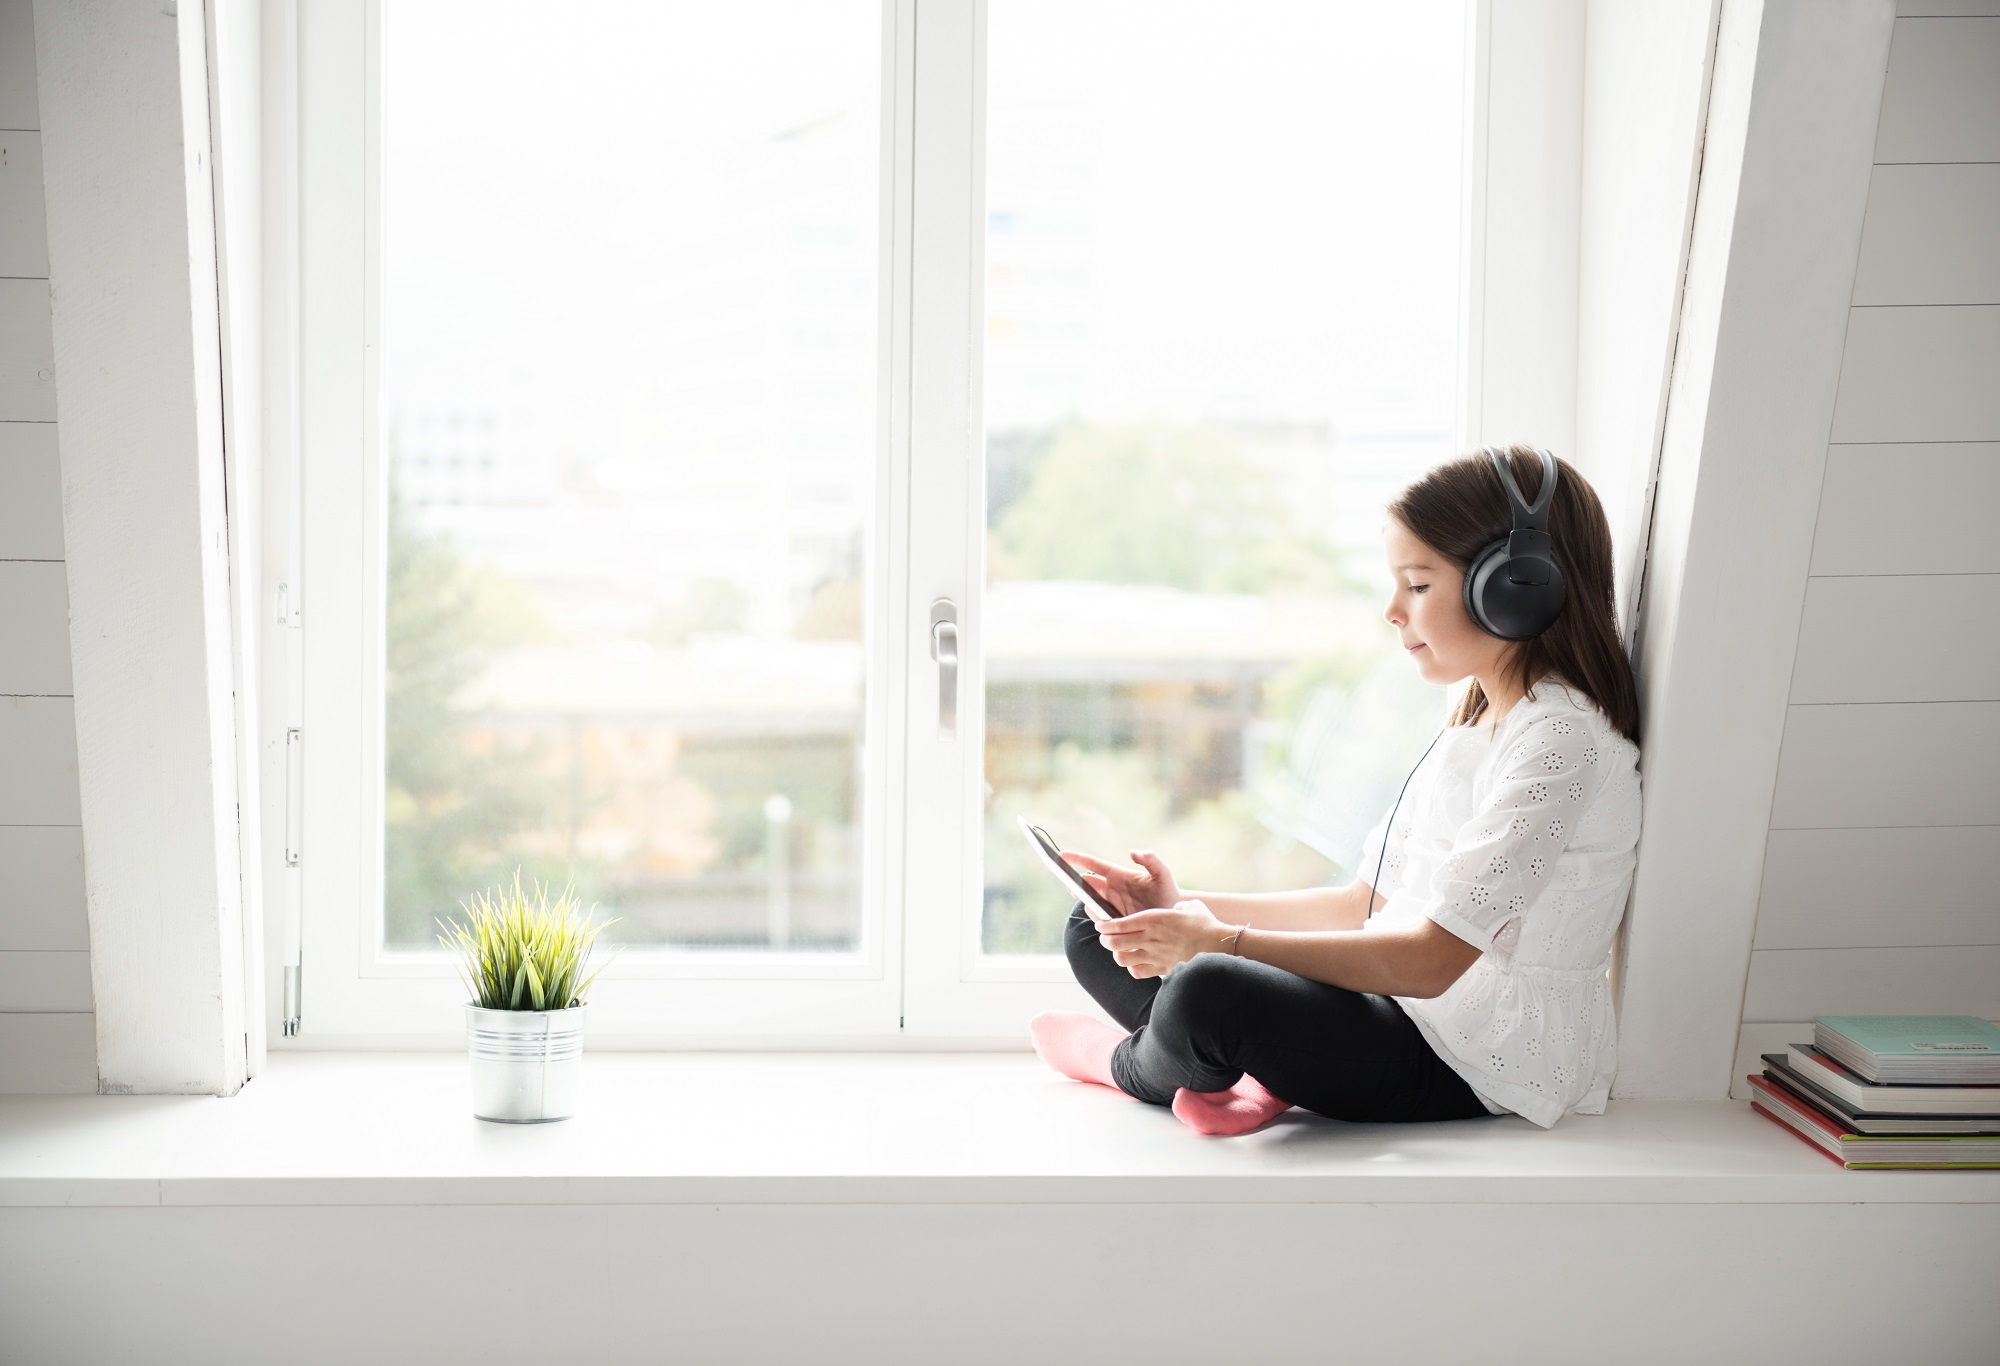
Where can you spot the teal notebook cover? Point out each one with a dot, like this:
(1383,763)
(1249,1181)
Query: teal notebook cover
(1917,1036)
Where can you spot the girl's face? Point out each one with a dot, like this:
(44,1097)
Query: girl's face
(1427,609)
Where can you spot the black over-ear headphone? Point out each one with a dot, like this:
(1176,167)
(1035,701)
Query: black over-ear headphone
(1514,588)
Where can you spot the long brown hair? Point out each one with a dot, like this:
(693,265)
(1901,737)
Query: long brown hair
(1460,508)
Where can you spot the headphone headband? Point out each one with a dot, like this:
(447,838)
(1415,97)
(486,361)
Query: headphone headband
(1527,516)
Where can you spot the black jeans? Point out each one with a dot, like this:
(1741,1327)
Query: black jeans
(1339,1053)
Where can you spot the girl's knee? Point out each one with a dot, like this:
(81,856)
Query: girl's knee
(1207,984)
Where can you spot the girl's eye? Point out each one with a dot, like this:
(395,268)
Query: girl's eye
(1419,587)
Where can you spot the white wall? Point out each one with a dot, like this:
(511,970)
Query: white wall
(992,1283)
(1881,889)
(47,1039)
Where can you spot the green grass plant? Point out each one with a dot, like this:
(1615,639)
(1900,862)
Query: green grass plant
(518,949)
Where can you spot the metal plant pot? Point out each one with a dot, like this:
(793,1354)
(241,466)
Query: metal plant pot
(526,1064)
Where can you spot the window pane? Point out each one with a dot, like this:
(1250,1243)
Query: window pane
(629,395)
(1221,329)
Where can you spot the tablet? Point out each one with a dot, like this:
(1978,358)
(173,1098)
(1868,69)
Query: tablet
(1094,905)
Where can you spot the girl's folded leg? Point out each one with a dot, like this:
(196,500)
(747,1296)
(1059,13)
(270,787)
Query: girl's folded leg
(1339,1053)
(1189,1037)
(1077,1045)
(1125,998)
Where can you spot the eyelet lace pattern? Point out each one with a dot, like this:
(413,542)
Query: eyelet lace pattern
(1521,843)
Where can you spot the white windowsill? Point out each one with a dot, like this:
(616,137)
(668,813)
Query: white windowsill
(396,1129)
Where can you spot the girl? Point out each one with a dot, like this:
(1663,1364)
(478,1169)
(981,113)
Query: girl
(1467,974)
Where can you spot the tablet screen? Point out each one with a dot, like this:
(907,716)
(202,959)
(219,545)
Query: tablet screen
(1093,903)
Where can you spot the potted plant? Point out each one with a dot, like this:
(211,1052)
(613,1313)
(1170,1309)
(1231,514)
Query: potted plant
(523,958)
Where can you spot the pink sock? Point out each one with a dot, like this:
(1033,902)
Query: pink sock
(1243,1107)
(1078,1046)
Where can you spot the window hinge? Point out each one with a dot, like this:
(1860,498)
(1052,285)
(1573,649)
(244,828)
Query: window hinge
(291,1027)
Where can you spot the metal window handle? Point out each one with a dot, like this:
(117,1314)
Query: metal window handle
(944,649)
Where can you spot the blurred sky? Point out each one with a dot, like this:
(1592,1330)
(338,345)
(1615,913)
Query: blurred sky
(1261,197)
(1267,195)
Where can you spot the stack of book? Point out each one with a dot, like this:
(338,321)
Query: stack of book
(1890,1090)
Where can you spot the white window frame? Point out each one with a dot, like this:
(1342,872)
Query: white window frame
(919,977)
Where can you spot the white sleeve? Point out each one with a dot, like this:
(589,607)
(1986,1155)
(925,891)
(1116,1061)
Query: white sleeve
(1502,860)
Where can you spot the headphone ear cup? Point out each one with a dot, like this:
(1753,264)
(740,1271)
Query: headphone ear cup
(1512,611)
(1476,575)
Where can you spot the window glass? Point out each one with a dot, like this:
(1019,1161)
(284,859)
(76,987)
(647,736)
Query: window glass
(1222,307)
(629,403)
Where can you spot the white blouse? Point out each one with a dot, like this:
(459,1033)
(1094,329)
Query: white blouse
(1520,841)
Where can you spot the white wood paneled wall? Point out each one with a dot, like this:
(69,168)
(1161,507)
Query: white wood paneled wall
(47,1036)
(1881,889)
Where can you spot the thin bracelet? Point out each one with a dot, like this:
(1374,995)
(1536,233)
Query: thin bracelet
(1233,949)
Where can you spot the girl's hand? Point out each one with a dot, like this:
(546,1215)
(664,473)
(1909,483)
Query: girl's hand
(1149,885)
(1151,943)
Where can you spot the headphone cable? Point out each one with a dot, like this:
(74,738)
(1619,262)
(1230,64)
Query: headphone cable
(1389,826)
